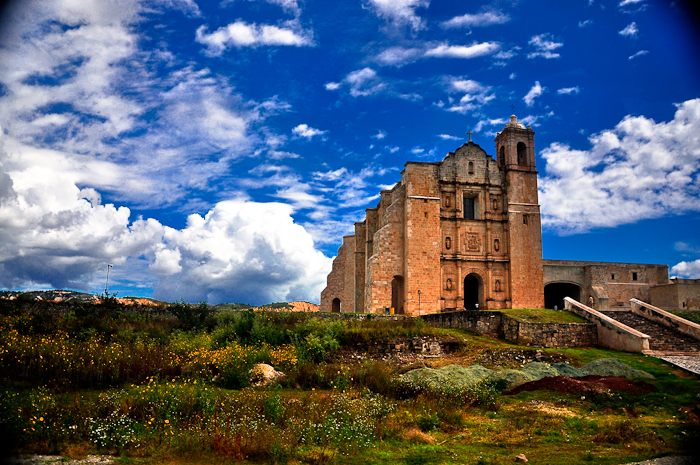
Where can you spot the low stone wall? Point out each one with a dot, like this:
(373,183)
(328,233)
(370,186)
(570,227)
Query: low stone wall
(478,321)
(550,335)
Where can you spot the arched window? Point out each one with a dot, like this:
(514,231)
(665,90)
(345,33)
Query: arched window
(335,306)
(522,152)
(502,156)
(471,167)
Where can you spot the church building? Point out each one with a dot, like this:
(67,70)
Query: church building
(465,232)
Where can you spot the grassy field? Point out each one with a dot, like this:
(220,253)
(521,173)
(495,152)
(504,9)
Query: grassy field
(544,316)
(138,385)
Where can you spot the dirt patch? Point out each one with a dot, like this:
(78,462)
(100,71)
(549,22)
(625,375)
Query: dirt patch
(516,357)
(586,384)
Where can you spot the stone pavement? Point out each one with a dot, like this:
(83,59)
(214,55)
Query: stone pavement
(687,362)
(669,461)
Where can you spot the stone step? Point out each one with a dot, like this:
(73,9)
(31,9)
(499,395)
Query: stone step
(661,338)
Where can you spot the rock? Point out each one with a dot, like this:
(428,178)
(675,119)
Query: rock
(262,375)
(520,458)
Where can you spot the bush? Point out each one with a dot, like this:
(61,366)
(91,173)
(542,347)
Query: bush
(191,316)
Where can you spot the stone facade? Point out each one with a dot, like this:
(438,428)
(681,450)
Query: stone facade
(609,285)
(450,235)
(680,293)
(466,231)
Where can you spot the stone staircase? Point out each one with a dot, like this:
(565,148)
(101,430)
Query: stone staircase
(661,338)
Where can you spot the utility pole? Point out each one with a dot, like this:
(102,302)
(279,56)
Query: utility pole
(107,282)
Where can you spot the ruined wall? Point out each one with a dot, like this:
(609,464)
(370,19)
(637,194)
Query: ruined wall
(680,294)
(340,283)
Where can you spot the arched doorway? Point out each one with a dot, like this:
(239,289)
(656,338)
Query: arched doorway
(472,291)
(554,294)
(335,305)
(397,294)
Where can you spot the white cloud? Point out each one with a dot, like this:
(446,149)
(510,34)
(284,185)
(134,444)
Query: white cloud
(535,91)
(241,34)
(463,51)
(585,23)
(512,76)
(487,18)
(489,122)
(448,137)
(503,56)
(544,45)
(568,90)
(399,12)
(640,53)
(630,31)
(629,2)
(475,95)
(688,270)
(243,252)
(291,6)
(303,130)
(399,56)
(379,135)
(638,170)
(362,83)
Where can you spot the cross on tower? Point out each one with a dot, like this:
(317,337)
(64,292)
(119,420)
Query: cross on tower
(469,133)
(512,107)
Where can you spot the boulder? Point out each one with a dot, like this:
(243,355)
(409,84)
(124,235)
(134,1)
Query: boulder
(262,375)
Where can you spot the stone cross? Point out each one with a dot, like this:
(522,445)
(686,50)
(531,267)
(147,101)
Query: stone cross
(469,133)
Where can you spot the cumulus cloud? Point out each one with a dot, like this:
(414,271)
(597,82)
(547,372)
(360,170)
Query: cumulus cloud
(630,31)
(399,56)
(688,270)
(535,91)
(629,2)
(544,46)
(241,34)
(487,18)
(291,6)
(241,252)
(489,122)
(448,137)
(568,90)
(379,135)
(307,132)
(399,12)
(638,170)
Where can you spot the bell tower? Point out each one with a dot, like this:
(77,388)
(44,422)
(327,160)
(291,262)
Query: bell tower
(515,148)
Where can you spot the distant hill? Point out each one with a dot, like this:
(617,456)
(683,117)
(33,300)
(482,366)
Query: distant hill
(57,296)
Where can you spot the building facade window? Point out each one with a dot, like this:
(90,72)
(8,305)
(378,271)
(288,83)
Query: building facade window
(469,208)
(634,276)
(471,167)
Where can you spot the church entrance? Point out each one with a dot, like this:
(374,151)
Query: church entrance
(335,305)
(554,294)
(472,292)
(397,294)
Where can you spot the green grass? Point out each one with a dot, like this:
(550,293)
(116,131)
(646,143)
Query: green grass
(690,315)
(544,315)
(328,410)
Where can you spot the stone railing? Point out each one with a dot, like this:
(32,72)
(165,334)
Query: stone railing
(666,319)
(611,334)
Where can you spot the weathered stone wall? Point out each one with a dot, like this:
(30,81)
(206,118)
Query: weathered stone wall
(340,283)
(666,319)
(680,294)
(479,321)
(550,335)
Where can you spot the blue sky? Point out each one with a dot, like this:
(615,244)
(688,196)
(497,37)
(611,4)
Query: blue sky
(219,150)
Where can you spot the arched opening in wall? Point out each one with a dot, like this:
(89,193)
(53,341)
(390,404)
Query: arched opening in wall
(335,305)
(522,151)
(502,156)
(471,167)
(554,294)
(397,294)
(472,292)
